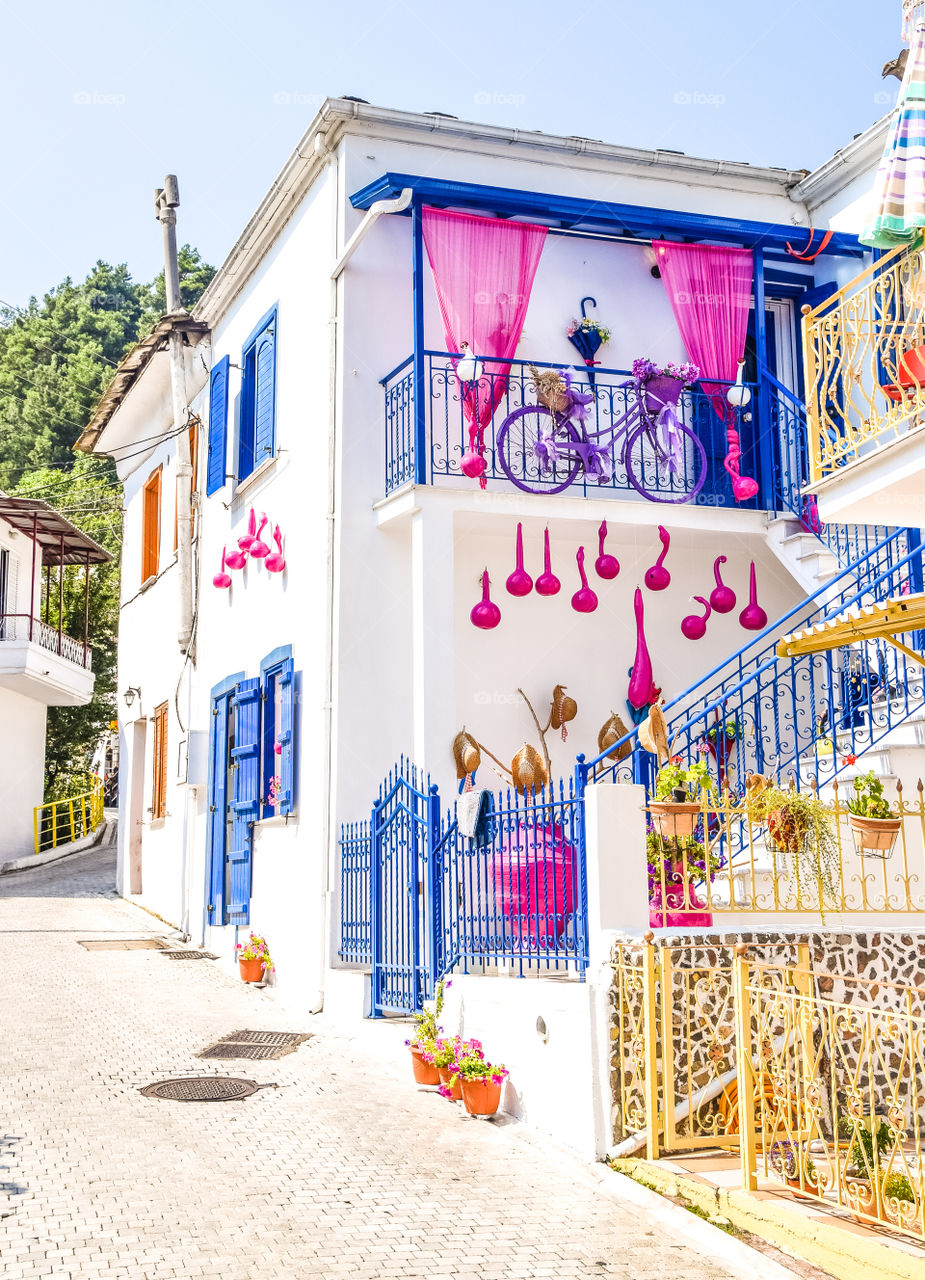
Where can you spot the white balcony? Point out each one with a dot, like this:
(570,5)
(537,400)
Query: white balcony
(45,664)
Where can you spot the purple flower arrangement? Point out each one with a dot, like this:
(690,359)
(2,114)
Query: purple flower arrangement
(644,369)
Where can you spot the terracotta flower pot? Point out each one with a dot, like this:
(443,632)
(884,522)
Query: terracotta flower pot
(482,1097)
(455,1089)
(424,1072)
(876,836)
(251,970)
(672,819)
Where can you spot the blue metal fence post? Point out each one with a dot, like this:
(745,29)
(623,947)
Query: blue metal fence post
(916,576)
(434,895)
(417,301)
(581,940)
(375,912)
(768,493)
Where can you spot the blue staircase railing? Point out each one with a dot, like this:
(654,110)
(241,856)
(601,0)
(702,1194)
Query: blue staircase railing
(758,713)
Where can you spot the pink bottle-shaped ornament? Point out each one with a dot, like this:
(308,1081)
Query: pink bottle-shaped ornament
(722,598)
(519,582)
(547,584)
(694,626)
(641,692)
(485,615)
(258,548)
(222,580)
(753,617)
(584,600)
(657,578)
(605,566)
(244,542)
(274,561)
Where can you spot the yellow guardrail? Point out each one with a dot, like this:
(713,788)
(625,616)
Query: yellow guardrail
(864,358)
(62,821)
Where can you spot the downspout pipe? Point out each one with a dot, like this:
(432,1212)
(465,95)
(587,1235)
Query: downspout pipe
(375,211)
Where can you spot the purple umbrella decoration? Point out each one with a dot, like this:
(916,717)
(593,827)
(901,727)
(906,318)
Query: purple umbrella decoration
(586,336)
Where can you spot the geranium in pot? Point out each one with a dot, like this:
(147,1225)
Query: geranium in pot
(481,1081)
(254,959)
(424,1040)
(873,819)
(679,793)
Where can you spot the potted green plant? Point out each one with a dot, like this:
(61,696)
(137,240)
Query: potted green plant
(481,1081)
(675,865)
(799,824)
(677,806)
(872,818)
(866,1152)
(424,1040)
(254,959)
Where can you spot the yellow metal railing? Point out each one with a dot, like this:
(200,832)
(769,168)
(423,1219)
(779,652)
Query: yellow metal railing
(732,858)
(856,343)
(62,821)
(820,1091)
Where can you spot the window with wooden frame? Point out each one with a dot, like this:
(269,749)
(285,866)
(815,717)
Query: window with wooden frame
(194,458)
(159,781)
(151,525)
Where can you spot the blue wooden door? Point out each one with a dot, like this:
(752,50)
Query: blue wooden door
(245,802)
(219,796)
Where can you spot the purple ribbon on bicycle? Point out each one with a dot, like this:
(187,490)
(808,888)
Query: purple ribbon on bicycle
(669,438)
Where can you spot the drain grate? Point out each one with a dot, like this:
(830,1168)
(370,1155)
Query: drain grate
(191,955)
(123,944)
(201,1089)
(259,1045)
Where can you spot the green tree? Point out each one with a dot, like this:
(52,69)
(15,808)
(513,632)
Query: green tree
(56,358)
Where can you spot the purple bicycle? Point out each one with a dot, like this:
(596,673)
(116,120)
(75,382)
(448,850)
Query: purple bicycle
(542,447)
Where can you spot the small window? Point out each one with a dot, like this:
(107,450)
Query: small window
(151,525)
(257,432)
(159,782)
(194,478)
(278,693)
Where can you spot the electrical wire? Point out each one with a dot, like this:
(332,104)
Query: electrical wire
(66,468)
(66,337)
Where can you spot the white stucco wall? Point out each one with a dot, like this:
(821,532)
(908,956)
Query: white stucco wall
(22,771)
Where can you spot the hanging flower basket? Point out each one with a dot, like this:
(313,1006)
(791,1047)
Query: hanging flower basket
(658,392)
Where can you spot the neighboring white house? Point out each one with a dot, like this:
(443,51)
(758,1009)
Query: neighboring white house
(41,666)
(322,396)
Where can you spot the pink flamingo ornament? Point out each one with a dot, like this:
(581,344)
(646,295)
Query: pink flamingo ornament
(274,561)
(222,580)
(694,627)
(244,542)
(722,598)
(519,582)
(258,548)
(743,487)
(547,584)
(642,691)
(584,600)
(605,566)
(485,615)
(236,559)
(753,617)
(657,578)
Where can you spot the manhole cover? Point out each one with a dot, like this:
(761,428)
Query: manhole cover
(259,1045)
(191,955)
(201,1089)
(123,944)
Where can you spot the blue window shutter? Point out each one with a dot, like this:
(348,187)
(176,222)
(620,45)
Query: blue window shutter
(265,394)
(218,426)
(245,807)
(286,736)
(218,801)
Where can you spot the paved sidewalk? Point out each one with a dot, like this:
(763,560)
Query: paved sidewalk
(344,1170)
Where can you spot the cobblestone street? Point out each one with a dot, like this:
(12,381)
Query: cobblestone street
(344,1170)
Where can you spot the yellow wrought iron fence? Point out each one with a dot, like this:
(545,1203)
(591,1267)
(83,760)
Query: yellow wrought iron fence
(842,1122)
(864,352)
(809,857)
(61,821)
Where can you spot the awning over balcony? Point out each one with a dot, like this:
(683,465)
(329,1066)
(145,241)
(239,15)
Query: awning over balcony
(876,622)
(62,543)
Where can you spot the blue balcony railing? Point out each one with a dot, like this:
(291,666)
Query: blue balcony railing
(425,443)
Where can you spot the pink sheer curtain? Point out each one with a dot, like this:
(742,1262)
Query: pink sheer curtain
(483,271)
(710,290)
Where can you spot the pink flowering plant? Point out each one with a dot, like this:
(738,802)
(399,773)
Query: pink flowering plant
(644,369)
(274,787)
(256,949)
(473,1065)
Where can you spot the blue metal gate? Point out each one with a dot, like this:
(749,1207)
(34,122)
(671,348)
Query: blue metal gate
(404,902)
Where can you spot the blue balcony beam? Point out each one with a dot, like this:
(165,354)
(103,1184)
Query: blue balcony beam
(593,215)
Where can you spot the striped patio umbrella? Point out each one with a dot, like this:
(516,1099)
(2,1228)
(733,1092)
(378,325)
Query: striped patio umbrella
(899,194)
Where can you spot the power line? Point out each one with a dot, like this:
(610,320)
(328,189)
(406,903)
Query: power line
(65,337)
(67,468)
(22,399)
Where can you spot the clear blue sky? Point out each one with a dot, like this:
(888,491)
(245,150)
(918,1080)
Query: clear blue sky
(100,99)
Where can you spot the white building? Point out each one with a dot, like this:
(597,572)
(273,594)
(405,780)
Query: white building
(322,394)
(41,666)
